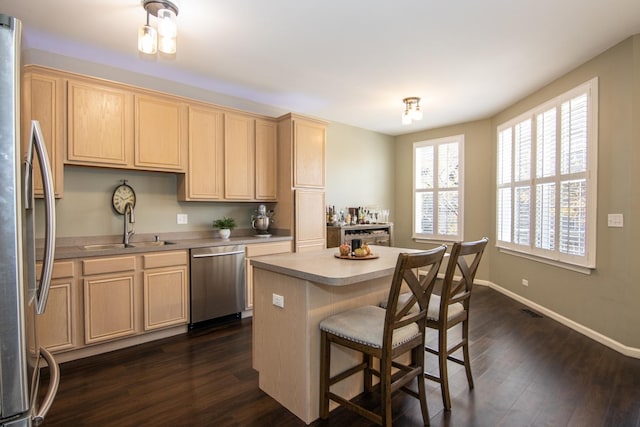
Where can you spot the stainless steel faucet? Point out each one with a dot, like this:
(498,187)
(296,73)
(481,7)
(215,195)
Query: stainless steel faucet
(129,218)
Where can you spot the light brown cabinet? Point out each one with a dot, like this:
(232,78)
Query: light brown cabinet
(257,250)
(109,298)
(204,178)
(160,133)
(166,289)
(309,146)
(239,157)
(58,325)
(43,100)
(266,168)
(99,124)
(301,180)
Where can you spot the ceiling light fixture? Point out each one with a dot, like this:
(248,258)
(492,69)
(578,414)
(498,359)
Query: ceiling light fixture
(164,39)
(412,110)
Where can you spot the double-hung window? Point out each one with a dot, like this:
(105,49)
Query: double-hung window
(438,177)
(546,180)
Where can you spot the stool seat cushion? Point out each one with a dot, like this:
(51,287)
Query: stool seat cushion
(365,325)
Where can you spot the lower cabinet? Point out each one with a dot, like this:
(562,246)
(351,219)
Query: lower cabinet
(109,298)
(58,325)
(255,250)
(102,300)
(166,290)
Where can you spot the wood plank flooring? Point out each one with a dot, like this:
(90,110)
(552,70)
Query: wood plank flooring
(528,371)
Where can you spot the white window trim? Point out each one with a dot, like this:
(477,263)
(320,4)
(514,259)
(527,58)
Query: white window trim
(588,262)
(438,238)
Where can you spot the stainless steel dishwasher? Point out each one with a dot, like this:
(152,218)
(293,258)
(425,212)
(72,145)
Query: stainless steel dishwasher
(217,283)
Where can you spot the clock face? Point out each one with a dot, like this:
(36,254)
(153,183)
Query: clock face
(122,195)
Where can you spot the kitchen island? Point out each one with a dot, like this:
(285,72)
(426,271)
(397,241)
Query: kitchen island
(293,293)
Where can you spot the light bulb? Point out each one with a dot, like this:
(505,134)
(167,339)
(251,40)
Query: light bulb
(416,114)
(147,40)
(406,117)
(168,31)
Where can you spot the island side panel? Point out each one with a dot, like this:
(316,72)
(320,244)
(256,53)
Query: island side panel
(287,340)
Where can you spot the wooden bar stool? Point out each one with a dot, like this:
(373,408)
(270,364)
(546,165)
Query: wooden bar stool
(384,334)
(452,308)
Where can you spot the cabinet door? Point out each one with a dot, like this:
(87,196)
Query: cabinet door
(239,157)
(259,250)
(56,326)
(309,141)
(205,175)
(310,220)
(166,297)
(159,126)
(266,160)
(100,125)
(109,307)
(43,100)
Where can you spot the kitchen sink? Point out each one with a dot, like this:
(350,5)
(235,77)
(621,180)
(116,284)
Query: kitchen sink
(154,243)
(105,246)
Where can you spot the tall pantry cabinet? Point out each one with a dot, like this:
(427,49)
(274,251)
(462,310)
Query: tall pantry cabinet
(301,182)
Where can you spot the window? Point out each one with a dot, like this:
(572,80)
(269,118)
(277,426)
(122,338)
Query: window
(438,188)
(546,179)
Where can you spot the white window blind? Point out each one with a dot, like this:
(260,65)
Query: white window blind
(437,188)
(546,179)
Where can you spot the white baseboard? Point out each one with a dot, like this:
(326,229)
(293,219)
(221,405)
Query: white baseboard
(596,336)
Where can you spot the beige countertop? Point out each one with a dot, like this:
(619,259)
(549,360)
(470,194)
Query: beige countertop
(324,268)
(67,248)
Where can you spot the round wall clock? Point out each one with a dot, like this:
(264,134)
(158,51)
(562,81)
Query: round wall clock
(122,195)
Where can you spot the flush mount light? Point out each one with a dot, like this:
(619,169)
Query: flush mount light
(412,110)
(164,39)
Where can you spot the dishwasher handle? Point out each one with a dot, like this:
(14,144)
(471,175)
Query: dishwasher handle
(216,254)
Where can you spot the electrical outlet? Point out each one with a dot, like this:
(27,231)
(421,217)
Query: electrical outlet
(525,282)
(615,220)
(278,300)
(183,219)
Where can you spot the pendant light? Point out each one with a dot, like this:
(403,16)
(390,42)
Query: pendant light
(165,38)
(412,110)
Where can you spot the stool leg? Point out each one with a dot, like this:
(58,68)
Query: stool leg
(465,352)
(442,365)
(325,369)
(418,358)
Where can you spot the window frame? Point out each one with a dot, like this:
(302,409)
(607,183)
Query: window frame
(436,143)
(584,263)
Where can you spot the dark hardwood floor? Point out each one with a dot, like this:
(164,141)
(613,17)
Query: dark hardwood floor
(528,371)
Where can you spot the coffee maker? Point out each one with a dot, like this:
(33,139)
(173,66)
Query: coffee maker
(260,221)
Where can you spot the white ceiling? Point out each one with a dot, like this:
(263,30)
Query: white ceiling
(347,61)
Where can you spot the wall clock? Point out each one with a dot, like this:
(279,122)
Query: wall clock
(122,195)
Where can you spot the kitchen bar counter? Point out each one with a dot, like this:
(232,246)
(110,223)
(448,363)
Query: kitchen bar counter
(310,287)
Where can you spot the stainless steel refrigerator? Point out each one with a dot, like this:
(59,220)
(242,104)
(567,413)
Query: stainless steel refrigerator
(22,296)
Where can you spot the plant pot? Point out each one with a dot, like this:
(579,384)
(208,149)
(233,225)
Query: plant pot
(224,233)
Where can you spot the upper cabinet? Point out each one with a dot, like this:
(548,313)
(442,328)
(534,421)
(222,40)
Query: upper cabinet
(204,179)
(239,160)
(266,160)
(43,100)
(309,145)
(99,124)
(159,126)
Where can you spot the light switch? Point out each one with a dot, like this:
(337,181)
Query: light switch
(615,220)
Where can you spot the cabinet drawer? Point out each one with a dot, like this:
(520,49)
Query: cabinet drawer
(165,259)
(61,269)
(108,265)
(260,249)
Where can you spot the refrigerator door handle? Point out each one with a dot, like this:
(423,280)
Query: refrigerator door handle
(54,381)
(37,142)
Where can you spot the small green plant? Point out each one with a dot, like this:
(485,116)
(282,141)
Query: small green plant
(225,223)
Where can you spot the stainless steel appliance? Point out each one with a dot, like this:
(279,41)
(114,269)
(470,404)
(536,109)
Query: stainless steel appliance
(260,221)
(217,282)
(22,297)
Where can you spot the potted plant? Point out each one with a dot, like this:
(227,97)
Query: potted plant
(225,225)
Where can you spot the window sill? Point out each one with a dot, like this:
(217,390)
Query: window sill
(559,264)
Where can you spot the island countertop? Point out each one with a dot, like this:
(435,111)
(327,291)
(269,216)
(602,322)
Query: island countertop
(324,268)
